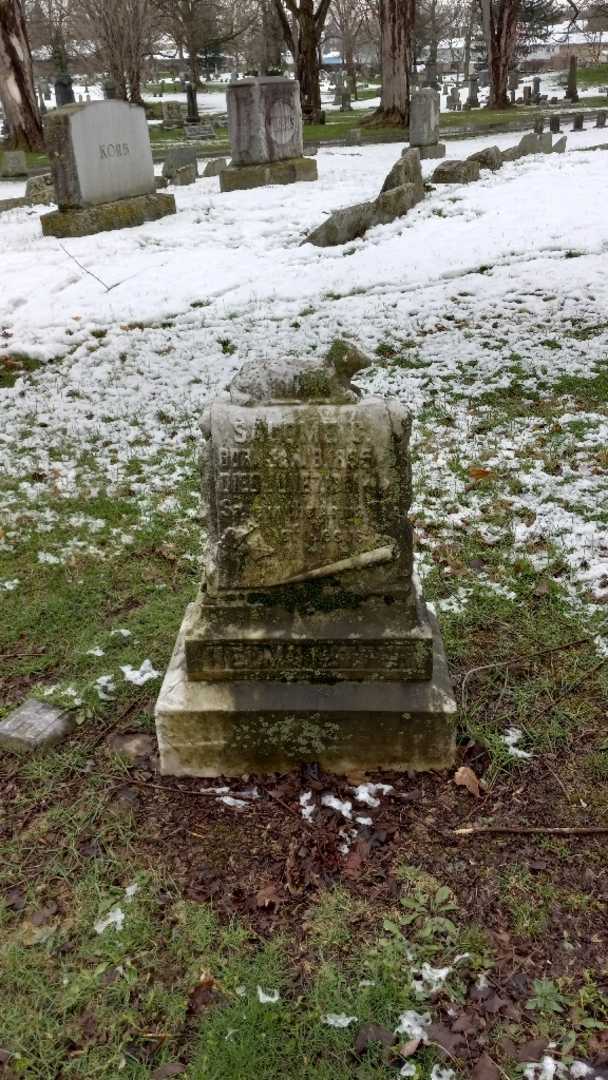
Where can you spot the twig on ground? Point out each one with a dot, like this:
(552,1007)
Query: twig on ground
(519,660)
(566,830)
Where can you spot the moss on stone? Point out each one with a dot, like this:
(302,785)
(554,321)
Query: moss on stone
(122,214)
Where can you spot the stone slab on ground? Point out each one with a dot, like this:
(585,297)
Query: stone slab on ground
(40,190)
(289,171)
(123,214)
(227,729)
(406,170)
(488,158)
(33,726)
(13,204)
(559,146)
(456,172)
(184,176)
(215,167)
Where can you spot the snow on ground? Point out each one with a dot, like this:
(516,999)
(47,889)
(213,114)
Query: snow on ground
(485,283)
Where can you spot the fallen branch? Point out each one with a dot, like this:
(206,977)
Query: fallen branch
(567,830)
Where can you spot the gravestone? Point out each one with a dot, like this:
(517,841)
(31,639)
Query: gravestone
(176,158)
(215,167)
(484,78)
(600,120)
(424,123)
(536,89)
(309,640)
(554,124)
(35,725)
(577,122)
(204,131)
(39,190)
(192,116)
(473,98)
(109,90)
(266,135)
(345,104)
(102,169)
(13,163)
(527,95)
(513,80)
(172,115)
(539,125)
(64,93)
(339,87)
(571,89)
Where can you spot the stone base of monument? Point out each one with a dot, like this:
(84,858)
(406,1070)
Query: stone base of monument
(122,214)
(289,171)
(214,729)
(436,151)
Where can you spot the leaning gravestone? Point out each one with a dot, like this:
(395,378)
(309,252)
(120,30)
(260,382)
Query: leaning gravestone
(424,123)
(309,640)
(266,137)
(13,163)
(102,169)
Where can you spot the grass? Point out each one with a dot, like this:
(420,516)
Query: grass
(592,75)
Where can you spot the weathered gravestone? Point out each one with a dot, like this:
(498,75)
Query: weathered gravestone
(173,116)
(473,98)
(13,163)
(309,640)
(527,95)
(536,88)
(578,122)
(102,169)
(600,120)
(266,137)
(554,124)
(424,123)
(572,89)
(345,103)
(176,158)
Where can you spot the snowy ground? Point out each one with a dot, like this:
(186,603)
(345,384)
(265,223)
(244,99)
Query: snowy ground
(479,287)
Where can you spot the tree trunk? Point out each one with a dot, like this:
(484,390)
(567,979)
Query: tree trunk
(308,63)
(17,90)
(500,22)
(272,45)
(466,66)
(396,30)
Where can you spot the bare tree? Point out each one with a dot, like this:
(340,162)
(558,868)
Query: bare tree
(347,23)
(17,80)
(123,31)
(397,18)
(500,19)
(303,22)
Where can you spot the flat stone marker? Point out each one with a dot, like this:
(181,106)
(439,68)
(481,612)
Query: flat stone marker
(309,640)
(13,163)
(102,167)
(424,123)
(266,134)
(33,726)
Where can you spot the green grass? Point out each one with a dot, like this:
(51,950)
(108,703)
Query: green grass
(593,75)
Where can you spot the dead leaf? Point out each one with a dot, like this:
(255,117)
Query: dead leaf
(409,1048)
(465,777)
(477,473)
(371,1033)
(443,1037)
(4,1056)
(14,899)
(268,897)
(532,1051)
(468,1024)
(173,1068)
(485,1069)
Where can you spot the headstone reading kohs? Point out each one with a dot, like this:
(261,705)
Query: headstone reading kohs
(266,135)
(309,640)
(102,168)
(424,123)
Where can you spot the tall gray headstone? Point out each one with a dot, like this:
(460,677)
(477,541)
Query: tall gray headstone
(424,123)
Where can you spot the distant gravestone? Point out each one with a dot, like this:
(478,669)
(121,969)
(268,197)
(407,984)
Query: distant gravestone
(572,89)
(35,725)
(539,125)
(536,88)
(345,104)
(64,93)
(527,95)
(13,163)
(192,116)
(102,169)
(600,120)
(266,135)
(473,98)
(40,191)
(484,78)
(215,167)
(109,90)
(172,114)
(424,123)
(578,122)
(176,158)
(309,640)
(555,124)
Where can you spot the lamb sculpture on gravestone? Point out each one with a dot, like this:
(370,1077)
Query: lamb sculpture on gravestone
(309,640)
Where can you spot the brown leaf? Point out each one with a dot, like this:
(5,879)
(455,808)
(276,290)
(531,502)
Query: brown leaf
(485,1069)
(409,1048)
(268,896)
(371,1033)
(493,1004)
(468,1024)
(532,1051)
(477,473)
(14,899)
(173,1068)
(447,1040)
(40,918)
(4,1056)
(465,777)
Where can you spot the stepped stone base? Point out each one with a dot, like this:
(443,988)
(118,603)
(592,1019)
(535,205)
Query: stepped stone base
(436,151)
(230,728)
(122,214)
(290,171)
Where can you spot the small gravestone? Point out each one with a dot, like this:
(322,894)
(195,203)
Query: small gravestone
(345,104)
(527,95)
(192,115)
(536,89)
(176,158)
(64,91)
(600,120)
(539,125)
(309,640)
(39,190)
(484,78)
(215,167)
(266,134)
(13,163)
(185,175)
(109,90)
(473,98)
(34,726)
(424,123)
(204,131)
(102,169)
(339,87)
(555,124)
(172,115)
(577,122)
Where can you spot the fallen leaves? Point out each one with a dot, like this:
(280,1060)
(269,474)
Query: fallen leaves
(204,996)
(373,1033)
(465,777)
(485,1069)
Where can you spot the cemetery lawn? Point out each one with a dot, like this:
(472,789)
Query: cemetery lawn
(148,927)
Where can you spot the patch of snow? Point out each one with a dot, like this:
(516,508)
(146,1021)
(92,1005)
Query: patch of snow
(237,804)
(307,807)
(106,687)
(366,821)
(115,918)
(413,1024)
(9,585)
(97,651)
(440,1072)
(268,997)
(366,793)
(140,676)
(511,738)
(121,632)
(338,1020)
(431,979)
(344,807)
